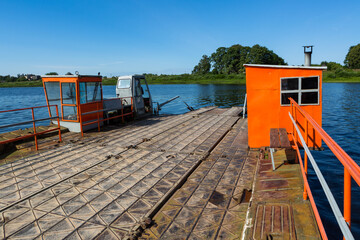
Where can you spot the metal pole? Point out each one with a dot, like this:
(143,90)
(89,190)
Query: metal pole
(272,158)
(166,102)
(81,123)
(305,196)
(98,117)
(58,118)
(34,126)
(244,110)
(122,111)
(132,107)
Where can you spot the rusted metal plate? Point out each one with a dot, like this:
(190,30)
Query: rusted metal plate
(278,210)
(274,221)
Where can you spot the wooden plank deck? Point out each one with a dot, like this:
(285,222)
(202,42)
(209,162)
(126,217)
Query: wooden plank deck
(172,177)
(279,138)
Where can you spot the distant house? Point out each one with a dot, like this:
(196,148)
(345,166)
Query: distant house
(32,77)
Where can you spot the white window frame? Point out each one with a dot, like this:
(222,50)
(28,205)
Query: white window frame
(299,91)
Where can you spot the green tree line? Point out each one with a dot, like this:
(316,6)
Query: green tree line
(231,60)
(225,65)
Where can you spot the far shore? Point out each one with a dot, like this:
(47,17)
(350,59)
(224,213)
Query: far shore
(185,79)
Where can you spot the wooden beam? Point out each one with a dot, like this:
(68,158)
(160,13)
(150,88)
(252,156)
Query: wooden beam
(274,138)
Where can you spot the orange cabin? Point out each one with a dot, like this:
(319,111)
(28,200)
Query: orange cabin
(74,95)
(268,88)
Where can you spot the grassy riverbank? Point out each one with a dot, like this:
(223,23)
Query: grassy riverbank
(188,79)
(37,83)
(328,76)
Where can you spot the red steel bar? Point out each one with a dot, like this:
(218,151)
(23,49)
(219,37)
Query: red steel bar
(347,197)
(21,109)
(343,157)
(122,112)
(305,158)
(98,117)
(34,134)
(81,123)
(98,110)
(58,118)
(33,118)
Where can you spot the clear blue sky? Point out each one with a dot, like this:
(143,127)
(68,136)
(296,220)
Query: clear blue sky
(124,36)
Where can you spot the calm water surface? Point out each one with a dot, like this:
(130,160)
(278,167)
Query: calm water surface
(341,116)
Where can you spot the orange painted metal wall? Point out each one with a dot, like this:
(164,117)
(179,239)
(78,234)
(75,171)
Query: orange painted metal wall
(264,108)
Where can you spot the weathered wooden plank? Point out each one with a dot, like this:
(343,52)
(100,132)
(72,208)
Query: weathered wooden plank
(274,138)
(284,139)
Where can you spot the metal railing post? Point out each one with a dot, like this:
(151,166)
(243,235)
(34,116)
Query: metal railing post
(34,126)
(132,107)
(244,108)
(296,121)
(98,117)
(58,120)
(122,111)
(81,122)
(347,197)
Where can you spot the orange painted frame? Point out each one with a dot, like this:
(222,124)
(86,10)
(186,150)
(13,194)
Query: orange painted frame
(35,134)
(72,79)
(351,168)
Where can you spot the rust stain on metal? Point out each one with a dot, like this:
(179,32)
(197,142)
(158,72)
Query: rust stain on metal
(274,221)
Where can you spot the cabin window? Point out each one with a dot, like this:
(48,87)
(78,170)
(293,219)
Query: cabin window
(124,83)
(53,96)
(138,91)
(90,92)
(304,90)
(146,93)
(68,93)
(69,113)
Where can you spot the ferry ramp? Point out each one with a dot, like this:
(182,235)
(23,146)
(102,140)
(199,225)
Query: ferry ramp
(187,176)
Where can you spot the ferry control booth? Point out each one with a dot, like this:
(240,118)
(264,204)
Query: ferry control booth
(74,94)
(268,88)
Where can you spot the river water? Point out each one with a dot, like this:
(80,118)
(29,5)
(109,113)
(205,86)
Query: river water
(341,116)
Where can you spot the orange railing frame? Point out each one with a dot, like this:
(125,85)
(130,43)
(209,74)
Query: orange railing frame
(35,134)
(351,168)
(98,111)
(307,193)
